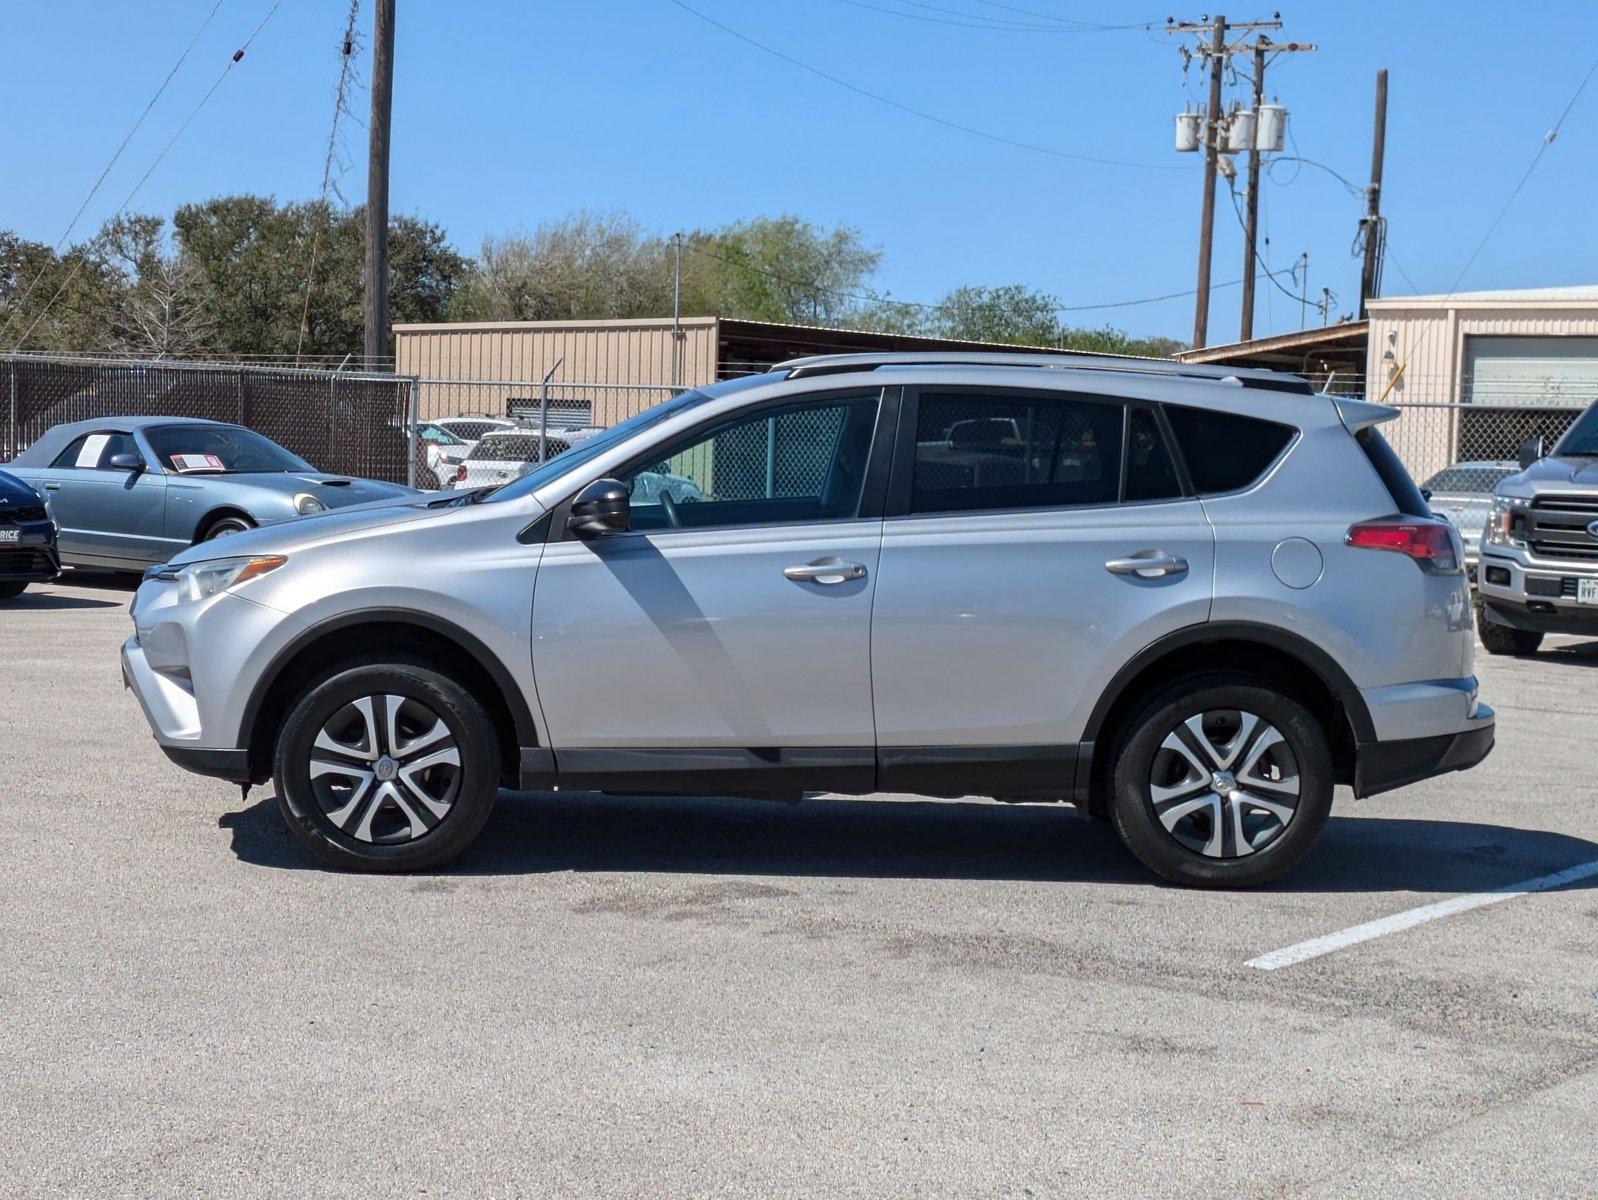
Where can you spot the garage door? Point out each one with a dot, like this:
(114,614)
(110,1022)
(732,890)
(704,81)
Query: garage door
(1520,387)
(1547,372)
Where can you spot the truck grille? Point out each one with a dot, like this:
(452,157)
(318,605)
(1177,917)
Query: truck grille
(1557,527)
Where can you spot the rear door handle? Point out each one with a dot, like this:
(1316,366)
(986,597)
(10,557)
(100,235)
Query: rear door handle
(829,570)
(1148,564)
(52,487)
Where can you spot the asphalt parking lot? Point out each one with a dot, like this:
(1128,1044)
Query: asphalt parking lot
(884,996)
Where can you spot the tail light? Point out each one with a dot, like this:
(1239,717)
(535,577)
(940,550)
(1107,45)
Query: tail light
(460,473)
(1430,544)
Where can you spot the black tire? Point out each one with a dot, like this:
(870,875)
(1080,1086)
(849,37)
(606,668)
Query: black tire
(224,527)
(1132,806)
(1501,639)
(11,589)
(470,789)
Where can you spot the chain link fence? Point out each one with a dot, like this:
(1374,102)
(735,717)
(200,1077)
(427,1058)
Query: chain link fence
(342,422)
(572,405)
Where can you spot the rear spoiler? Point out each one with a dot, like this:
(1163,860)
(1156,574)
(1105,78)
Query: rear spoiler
(1361,414)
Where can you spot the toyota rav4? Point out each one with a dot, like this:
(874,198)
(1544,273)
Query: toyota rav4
(1190,600)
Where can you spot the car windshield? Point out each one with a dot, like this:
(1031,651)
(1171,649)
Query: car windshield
(1468,480)
(219,450)
(440,436)
(1583,436)
(593,447)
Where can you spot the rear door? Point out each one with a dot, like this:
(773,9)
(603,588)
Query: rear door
(110,517)
(1034,541)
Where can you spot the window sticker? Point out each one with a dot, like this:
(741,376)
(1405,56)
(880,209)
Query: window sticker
(89,454)
(187,463)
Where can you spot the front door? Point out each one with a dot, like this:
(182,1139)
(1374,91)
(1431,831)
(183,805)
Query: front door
(1034,541)
(107,517)
(726,640)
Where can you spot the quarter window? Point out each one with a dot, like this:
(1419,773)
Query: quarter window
(1223,451)
(977,451)
(806,462)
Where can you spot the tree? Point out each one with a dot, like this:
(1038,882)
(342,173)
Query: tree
(163,304)
(588,266)
(1013,313)
(256,255)
(781,268)
(50,302)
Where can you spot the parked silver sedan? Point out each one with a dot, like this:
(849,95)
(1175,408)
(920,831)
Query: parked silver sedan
(130,492)
(1463,495)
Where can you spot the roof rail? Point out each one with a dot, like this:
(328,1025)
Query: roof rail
(834,364)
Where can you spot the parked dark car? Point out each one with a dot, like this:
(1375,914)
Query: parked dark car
(130,492)
(27,538)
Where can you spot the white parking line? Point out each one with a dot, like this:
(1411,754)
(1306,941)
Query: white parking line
(1354,934)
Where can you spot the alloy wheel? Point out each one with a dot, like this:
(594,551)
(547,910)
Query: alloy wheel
(385,769)
(1225,783)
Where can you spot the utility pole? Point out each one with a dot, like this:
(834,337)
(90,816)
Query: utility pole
(1251,215)
(1372,229)
(1251,218)
(676,312)
(376,298)
(1212,138)
(1216,51)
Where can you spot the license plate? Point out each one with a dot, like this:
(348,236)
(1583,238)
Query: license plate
(12,535)
(1587,591)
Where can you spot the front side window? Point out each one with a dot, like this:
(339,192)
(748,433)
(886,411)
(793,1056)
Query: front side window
(92,451)
(976,451)
(801,462)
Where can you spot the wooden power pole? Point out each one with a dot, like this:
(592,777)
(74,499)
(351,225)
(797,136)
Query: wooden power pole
(1251,212)
(1212,137)
(376,298)
(1370,272)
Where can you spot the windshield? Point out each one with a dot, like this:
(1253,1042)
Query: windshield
(1583,436)
(1468,479)
(593,447)
(219,450)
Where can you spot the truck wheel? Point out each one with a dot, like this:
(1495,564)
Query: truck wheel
(1221,780)
(1501,639)
(386,767)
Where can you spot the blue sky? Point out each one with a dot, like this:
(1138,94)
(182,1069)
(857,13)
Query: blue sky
(510,113)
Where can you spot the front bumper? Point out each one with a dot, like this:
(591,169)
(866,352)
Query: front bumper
(32,558)
(1537,596)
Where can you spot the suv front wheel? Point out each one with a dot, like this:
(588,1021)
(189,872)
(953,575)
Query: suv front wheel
(1221,781)
(386,766)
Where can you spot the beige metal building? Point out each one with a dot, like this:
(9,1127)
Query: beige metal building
(616,368)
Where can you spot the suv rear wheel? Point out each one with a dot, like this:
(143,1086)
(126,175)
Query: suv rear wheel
(386,767)
(1221,781)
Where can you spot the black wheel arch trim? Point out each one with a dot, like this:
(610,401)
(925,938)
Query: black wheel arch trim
(521,715)
(1312,656)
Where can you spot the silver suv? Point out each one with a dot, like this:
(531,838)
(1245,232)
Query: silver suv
(1190,600)
(1540,549)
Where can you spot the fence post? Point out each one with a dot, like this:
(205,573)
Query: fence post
(244,404)
(11,422)
(413,431)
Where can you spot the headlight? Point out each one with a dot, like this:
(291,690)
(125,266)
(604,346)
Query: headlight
(305,504)
(1506,526)
(199,580)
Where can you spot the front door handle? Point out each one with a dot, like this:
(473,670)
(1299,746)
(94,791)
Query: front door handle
(1148,564)
(829,570)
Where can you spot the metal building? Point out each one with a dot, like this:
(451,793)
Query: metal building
(616,367)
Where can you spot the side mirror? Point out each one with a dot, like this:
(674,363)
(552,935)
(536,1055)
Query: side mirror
(1530,451)
(601,509)
(125,462)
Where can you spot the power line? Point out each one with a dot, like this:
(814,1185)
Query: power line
(915,112)
(346,73)
(93,191)
(961,19)
(1085,26)
(238,56)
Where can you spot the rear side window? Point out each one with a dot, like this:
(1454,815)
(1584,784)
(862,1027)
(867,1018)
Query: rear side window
(1225,452)
(1406,496)
(1150,473)
(1001,451)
